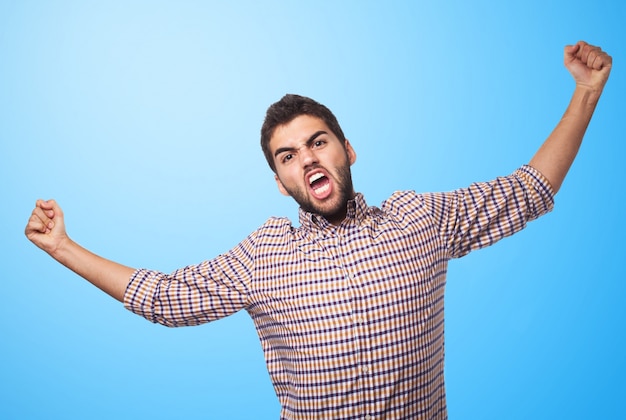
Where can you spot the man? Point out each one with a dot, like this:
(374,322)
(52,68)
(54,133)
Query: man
(349,306)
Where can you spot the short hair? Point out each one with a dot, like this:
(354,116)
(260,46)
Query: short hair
(286,110)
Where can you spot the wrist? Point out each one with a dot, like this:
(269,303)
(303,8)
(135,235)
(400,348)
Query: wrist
(588,92)
(586,97)
(62,249)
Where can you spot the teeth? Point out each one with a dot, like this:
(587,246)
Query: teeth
(315,177)
(322,189)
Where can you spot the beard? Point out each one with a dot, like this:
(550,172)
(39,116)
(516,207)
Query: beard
(333,209)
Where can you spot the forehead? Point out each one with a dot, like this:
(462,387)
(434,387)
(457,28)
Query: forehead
(297,131)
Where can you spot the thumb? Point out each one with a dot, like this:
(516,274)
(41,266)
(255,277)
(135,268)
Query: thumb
(50,207)
(53,211)
(570,51)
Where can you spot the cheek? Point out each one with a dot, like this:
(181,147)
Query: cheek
(286,178)
(292,173)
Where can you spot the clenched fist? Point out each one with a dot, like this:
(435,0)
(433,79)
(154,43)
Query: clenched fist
(588,64)
(46,227)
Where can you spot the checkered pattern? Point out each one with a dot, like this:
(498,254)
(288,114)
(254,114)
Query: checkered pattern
(350,317)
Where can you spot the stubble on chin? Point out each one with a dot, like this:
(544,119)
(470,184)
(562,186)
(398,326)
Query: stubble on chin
(335,209)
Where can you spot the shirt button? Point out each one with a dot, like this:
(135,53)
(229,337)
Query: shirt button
(365,369)
(368,417)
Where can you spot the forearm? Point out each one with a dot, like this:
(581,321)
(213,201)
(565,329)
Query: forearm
(107,275)
(556,155)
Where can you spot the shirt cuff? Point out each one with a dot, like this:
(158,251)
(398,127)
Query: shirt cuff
(540,188)
(140,293)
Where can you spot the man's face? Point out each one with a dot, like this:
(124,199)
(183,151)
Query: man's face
(313,166)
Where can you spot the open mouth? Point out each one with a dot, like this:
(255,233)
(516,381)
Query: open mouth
(320,185)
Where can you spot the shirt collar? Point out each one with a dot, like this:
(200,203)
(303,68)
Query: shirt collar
(357,211)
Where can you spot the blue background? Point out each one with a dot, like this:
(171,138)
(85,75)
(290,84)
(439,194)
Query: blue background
(142,119)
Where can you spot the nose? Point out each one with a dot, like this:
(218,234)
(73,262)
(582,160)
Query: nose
(307,157)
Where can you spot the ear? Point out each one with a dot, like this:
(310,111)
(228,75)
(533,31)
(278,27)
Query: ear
(350,152)
(281,187)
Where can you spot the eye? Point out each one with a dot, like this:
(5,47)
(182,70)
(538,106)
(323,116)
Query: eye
(286,158)
(318,143)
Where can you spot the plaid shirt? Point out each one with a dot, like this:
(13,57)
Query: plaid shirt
(350,317)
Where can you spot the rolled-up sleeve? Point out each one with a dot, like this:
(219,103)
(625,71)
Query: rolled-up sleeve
(485,212)
(195,294)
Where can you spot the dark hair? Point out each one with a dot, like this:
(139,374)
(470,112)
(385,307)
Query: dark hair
(284,111)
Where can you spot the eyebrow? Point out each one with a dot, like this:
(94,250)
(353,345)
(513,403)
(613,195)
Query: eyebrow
(308,142)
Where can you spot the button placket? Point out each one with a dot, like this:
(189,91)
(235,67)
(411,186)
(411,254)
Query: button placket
(339,243)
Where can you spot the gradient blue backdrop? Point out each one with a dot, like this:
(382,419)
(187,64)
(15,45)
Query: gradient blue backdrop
(142,119)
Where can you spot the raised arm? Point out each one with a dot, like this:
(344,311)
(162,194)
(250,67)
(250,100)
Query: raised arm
(590,68)
(46,229)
